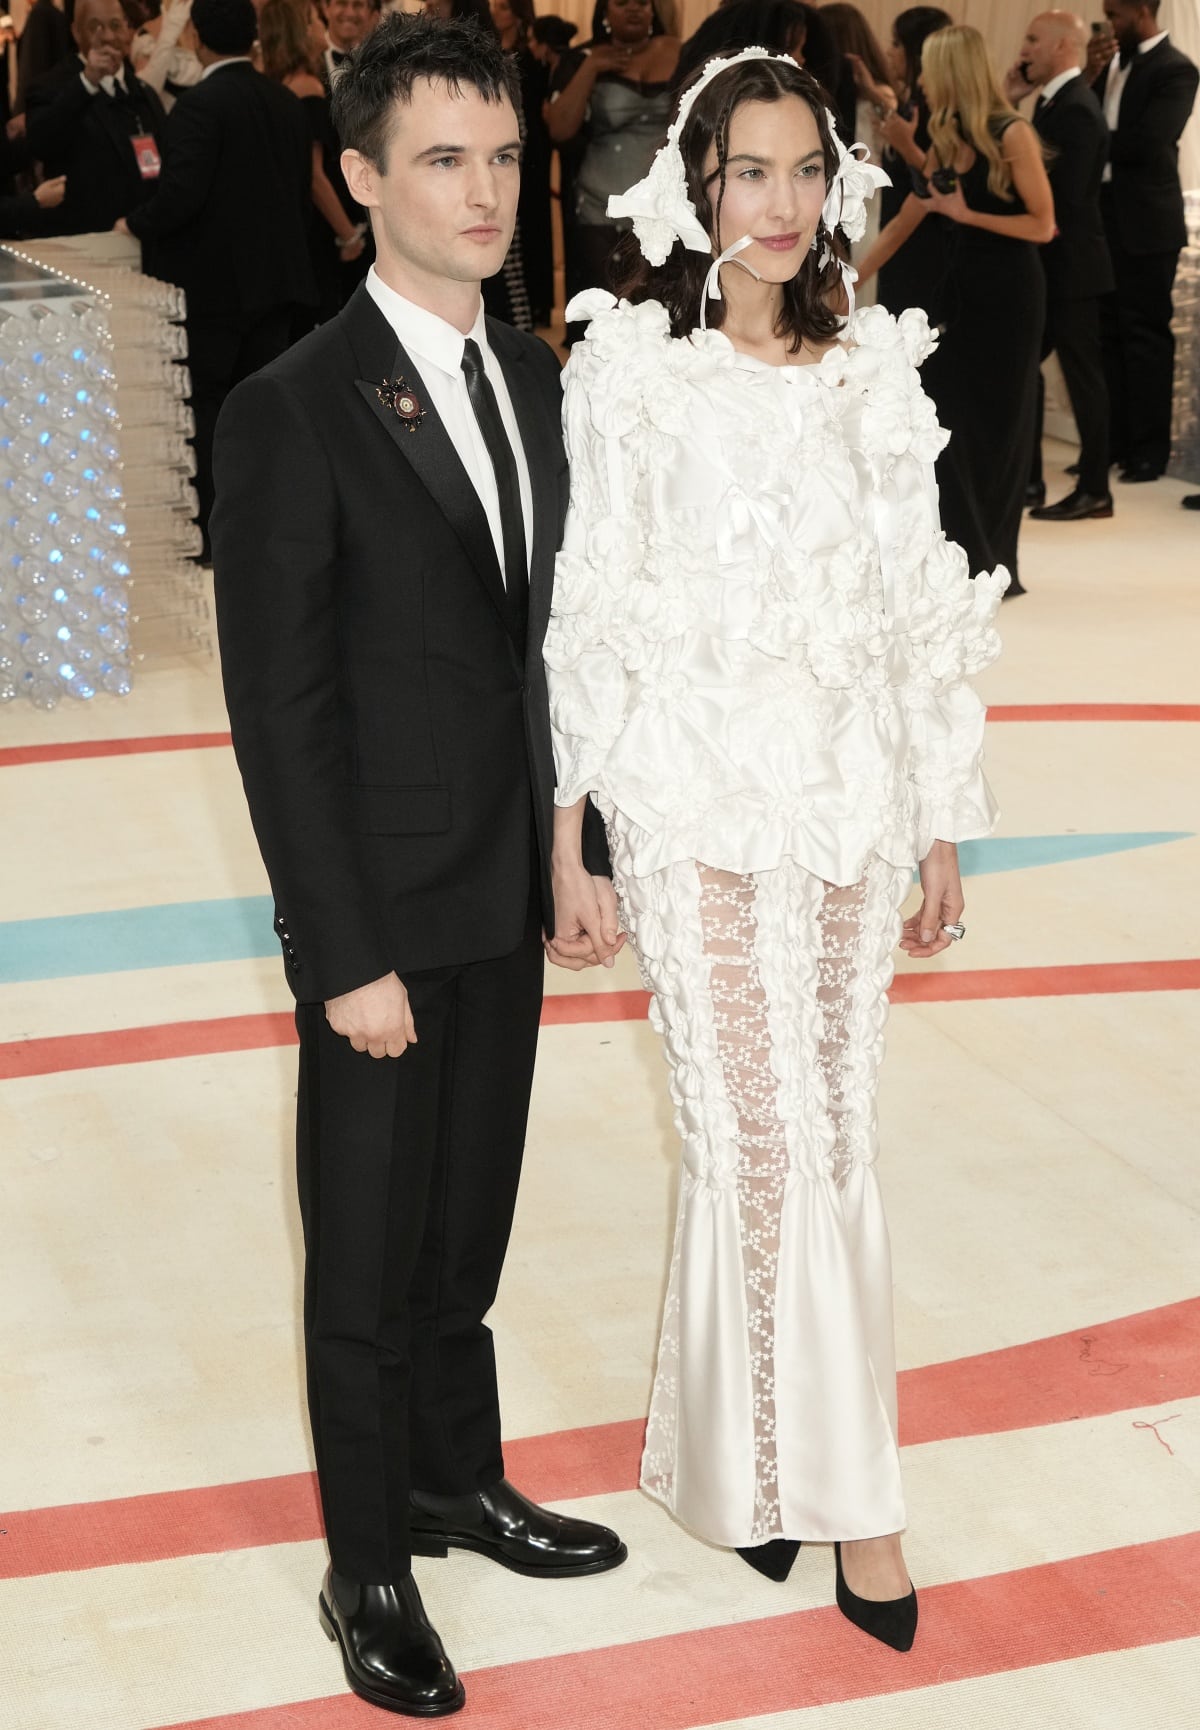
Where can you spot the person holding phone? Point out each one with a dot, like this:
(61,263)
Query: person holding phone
(1078,269)
(985,179)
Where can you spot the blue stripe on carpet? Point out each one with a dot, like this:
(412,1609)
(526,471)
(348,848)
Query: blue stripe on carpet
(183,933)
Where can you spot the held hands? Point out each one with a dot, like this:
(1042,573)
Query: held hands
(375,1018)
(586,928)
(922,935)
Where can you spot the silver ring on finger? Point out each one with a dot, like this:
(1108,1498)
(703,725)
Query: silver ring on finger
(955,932)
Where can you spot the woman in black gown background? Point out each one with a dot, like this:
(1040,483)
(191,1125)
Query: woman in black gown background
(988,191)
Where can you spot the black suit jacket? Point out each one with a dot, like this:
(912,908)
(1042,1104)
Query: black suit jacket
(393,736)
(1156,104)
(89,139)
(1076,261)
(229,219)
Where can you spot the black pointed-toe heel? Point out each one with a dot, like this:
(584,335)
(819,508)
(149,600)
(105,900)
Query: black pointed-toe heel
(892,1620)
(774,1558)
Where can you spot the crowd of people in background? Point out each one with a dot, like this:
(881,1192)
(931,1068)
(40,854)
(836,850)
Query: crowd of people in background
(1020,233)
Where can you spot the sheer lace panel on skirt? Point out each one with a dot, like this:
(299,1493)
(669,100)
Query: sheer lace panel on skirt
(739,1007)
(839,931)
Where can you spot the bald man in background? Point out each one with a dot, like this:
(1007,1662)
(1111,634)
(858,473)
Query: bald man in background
(1068,118)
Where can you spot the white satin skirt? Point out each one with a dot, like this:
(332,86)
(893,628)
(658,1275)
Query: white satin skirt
(774,1406)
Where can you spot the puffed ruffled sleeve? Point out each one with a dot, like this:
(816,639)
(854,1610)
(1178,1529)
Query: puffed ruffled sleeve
(951,637)
(589,640)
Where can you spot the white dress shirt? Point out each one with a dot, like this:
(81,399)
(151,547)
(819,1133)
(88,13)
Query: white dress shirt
(1052,86)
(1115,84)
(437,349)
(229,60)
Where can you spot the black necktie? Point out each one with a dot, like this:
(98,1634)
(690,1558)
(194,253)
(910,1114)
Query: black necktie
(336,56)
(1127,56)
(508,486)
(1038,106)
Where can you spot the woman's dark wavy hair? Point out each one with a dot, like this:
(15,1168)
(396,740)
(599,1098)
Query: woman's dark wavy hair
(809,298)
(910,28)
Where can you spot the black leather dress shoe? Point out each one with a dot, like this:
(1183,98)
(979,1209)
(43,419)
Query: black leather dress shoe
(501,1523)
(391,1655)
(1191,502)
(1035,493)
(1133,472)
(1075,508)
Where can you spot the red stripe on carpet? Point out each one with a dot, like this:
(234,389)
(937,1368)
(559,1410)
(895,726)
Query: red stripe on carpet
(14,756)
(58,1053)
(1110,1601)
(1136,1363)
(1094,712)
(17,756)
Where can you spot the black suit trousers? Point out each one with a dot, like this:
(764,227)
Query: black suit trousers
(1073,333)
(223,349)
(1139,351)
(408,1170)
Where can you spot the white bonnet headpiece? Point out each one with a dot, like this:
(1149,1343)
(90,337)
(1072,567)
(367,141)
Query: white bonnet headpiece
(662,213)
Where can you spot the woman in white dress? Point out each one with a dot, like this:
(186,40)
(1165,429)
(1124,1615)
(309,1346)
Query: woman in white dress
(758,661)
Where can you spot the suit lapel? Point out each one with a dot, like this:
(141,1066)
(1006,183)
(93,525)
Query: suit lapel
(425,446)
(544,460)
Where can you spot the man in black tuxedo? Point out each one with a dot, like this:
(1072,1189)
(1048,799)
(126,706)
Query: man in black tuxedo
(229,220)
(1146,88)
(1078,269)
(390,497)
(94,120)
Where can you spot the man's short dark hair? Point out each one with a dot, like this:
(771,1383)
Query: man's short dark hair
(407,46)
(225,26)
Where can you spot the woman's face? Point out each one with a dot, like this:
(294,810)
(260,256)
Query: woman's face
(629,20)
(774,185)
(503,16)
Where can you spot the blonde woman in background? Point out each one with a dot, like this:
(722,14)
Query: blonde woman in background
(984,178)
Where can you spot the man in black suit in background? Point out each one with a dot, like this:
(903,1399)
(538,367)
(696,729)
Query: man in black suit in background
(1078,270)
(1146,89)
(229,219)
(94,120)
(390,498)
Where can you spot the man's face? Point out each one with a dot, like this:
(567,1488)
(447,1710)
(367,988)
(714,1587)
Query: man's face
(349,22)
(101,24)
(1038,50)
(1125,17)
(445,205)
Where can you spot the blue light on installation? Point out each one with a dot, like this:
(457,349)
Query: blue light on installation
(63,633)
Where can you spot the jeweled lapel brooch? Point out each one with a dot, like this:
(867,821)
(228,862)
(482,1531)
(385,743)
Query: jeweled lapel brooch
(402,400)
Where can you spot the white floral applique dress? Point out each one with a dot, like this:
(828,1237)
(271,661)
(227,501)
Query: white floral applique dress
(759,660)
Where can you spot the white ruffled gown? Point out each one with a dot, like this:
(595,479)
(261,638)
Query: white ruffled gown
(758,657)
